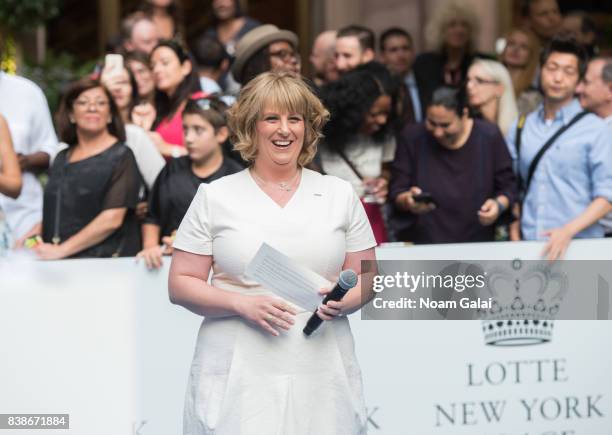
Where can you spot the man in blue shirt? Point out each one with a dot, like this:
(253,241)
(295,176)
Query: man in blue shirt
(595,91)
(571,188)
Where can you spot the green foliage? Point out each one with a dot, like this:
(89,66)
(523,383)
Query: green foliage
(26,14)
(55,74)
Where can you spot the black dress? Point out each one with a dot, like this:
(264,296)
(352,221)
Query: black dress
(174,189)
(78,192)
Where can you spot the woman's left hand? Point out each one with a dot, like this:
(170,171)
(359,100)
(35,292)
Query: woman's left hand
(49,251)
(331,309)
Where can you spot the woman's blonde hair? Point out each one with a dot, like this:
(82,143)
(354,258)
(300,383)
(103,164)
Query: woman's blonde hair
(507,111)
(525,80)
(282,92)
(442,16)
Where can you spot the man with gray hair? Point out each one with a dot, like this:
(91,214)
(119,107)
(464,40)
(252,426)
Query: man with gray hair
(595,92)
(138,32)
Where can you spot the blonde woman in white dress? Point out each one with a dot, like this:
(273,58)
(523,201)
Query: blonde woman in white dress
(254,371)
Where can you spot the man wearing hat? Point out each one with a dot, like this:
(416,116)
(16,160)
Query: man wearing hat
(266,48)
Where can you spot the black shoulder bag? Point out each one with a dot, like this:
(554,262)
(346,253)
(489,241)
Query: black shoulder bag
(524,186)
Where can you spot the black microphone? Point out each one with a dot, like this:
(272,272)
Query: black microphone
(347,280)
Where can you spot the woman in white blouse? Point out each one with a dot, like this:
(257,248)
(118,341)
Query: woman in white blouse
(254,371)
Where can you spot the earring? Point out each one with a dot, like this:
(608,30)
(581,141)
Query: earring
(110,120)
(71,120)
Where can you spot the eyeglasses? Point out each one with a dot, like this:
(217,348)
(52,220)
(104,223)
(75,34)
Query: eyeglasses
(86,104)
(480,81)
(284,55)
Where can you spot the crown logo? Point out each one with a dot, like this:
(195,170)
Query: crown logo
(525,303)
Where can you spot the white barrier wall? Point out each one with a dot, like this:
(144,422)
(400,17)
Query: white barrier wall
(98,339)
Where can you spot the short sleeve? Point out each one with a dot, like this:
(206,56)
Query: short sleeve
(194,233)
(359,234)
(124,184)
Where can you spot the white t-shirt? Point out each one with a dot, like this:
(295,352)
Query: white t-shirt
(25,108)
(366,155)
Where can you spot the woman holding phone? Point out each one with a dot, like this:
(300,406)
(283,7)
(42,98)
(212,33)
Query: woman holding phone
(175,81)
(121,83)
(452,175)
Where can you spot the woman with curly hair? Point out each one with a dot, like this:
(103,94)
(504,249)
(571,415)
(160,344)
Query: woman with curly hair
(358,140)
(451,33)
(254,371)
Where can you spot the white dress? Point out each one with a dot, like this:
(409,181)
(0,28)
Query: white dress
(243,380)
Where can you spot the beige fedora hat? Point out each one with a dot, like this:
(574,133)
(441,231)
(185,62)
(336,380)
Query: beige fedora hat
(256,39)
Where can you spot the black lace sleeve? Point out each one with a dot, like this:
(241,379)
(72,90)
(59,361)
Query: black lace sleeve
(124,184)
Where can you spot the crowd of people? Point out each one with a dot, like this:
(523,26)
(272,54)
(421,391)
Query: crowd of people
(446,146)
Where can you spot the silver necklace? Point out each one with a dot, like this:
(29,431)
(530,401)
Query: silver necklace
(286,186)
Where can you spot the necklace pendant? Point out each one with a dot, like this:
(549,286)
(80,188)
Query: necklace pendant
(284,186)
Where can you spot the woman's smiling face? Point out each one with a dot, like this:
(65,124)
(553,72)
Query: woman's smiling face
(280,136)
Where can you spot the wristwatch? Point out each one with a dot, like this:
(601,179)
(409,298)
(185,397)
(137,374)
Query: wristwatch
(501,206)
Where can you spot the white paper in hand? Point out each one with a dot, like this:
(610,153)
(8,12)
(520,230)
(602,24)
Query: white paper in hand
(286,278)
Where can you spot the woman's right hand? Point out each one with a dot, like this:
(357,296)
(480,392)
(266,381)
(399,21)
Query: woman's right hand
(266,312)
(143,115)
(407,202)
